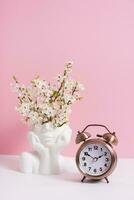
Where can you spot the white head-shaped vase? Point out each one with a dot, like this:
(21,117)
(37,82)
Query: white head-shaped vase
(46,141)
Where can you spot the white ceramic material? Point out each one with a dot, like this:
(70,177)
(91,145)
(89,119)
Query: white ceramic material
(46,142)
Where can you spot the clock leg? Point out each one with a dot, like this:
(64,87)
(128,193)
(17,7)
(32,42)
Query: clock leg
(107,179)
(82,180)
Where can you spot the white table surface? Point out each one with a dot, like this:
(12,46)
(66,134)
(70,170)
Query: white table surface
(15,185)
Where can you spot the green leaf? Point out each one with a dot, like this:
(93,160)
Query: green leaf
(55,93)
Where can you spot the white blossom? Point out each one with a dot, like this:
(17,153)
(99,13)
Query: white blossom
(24,109)
(33,116)
(42,102)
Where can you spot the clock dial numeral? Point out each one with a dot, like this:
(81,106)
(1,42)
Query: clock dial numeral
(85,164)
(95,170)
(105,164)
(105,153)
(89,168)
(86,153)
(90,149)
(107,159)
(83,158)
(101,149)
(100,169)
(95,147)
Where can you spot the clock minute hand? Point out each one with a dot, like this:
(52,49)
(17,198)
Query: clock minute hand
(90,156)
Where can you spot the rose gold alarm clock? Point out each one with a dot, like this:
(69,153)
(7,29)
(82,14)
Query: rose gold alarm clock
(96,158)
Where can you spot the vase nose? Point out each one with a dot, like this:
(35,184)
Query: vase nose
(48,135)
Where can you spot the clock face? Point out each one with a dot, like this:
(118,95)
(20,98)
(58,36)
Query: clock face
(95,159)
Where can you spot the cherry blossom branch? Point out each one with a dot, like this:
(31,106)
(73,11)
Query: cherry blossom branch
(42,102)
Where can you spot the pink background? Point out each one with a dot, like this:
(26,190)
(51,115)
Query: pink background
(38,36)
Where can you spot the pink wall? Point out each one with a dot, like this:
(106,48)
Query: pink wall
(38,36)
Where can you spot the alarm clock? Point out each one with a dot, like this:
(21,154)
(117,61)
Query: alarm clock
(96,158)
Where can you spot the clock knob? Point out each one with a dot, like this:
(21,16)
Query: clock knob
(82,136)
(110,138)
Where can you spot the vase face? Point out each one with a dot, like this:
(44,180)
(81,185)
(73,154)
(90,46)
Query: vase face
(51,137)
(48,137)
(46,142)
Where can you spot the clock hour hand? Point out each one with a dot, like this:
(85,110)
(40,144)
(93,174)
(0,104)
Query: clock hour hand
(101,156)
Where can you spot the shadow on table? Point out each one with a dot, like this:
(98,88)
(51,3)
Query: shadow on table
(76,177)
